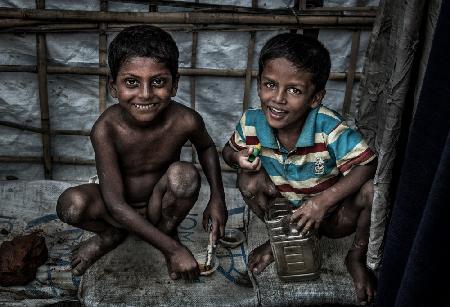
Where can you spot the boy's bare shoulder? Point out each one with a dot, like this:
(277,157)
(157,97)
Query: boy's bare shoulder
(185,116)
(108,121)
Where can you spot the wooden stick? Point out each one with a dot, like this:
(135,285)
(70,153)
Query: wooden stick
(248,72)
(193,83)
(183,71)
(184,17)
(102,47)
(73,161)
(41,49)
(236,8)
(40,130)
(351,74)
(115,27)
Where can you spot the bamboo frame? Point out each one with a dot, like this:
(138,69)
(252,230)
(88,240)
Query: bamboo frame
(206,72)
(249,71)
(351,75)
(102,48)
(41,21)
(41,49)
(186,18)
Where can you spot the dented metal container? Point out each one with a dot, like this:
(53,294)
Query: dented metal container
(297,257)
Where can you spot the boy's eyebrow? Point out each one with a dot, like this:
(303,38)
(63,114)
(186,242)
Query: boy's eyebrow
(153,76)
(299,83)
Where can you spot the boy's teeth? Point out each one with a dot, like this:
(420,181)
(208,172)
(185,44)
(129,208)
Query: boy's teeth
(144,106)
(276,110)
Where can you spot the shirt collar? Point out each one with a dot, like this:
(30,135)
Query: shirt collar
(267,138)
(307,136)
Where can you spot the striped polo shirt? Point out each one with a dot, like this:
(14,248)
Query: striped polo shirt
(326,149)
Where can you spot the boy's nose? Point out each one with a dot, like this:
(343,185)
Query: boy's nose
(145,92)
(279,96)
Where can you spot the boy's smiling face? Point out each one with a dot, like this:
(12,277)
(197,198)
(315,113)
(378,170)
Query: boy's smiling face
(287,94)
(144,88)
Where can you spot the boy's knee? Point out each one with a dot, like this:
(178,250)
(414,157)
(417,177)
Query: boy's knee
(183,179)
(251,184)
(247,185)
(70,206)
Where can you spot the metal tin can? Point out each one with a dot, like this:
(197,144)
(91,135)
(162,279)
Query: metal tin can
(297,257)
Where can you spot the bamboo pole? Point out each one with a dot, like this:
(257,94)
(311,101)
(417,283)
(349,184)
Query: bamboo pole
(248,72)
(193,82)
(209,72)
(235,8)
(116,27)
(41,130)
(74,161)
(346,106)
(102,47)
(184,17)
(41,50)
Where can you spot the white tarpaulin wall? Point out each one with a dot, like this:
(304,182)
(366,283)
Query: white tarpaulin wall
(73,99)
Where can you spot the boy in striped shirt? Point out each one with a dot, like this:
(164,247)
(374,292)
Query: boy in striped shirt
(309,156)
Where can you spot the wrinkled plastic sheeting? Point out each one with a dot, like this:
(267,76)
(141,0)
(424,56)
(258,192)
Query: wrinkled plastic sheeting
(73,99)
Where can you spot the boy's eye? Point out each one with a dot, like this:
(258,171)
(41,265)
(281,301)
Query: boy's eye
(270,84)
(158,82)
(131,82)
(294,91)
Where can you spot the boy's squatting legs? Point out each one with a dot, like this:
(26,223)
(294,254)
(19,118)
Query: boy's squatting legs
(259,193)
(173,196)
(353,215)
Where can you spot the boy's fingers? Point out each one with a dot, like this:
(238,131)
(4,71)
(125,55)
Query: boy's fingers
(295,215)
(222,230)
(213,234)
(205,222)
(302,222)
(306,227)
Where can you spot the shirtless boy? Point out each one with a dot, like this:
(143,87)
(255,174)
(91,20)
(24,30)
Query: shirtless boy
(143,187)
(309,156)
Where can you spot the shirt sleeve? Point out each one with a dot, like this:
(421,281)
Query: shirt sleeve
(348,148)
(237,140)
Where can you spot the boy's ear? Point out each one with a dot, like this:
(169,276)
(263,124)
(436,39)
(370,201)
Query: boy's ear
(317,99)
(112,87)
(175,85)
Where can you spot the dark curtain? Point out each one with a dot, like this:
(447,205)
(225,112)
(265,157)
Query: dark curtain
(415,264)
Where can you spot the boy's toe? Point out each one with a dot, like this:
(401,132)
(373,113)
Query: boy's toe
(174,275)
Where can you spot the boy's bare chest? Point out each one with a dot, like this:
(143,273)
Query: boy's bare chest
(156,147)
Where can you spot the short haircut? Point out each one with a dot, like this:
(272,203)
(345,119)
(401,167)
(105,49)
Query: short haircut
(304,52)
(143,41)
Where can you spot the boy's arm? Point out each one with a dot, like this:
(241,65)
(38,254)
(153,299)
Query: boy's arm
(216,210)
(311,213)
(111,187)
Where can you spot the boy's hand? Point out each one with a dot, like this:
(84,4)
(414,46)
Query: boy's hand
(217,213)
(183,263)
(309,215)
(242,158)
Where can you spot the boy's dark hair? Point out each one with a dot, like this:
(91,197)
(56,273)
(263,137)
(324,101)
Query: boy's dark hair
(305,52)
(143,41)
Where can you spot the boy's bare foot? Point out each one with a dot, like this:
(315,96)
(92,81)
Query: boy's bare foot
(363,278)
(89,251)
(260,258)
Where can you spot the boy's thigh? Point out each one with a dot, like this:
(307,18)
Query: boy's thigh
(83,203)
(343,218)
